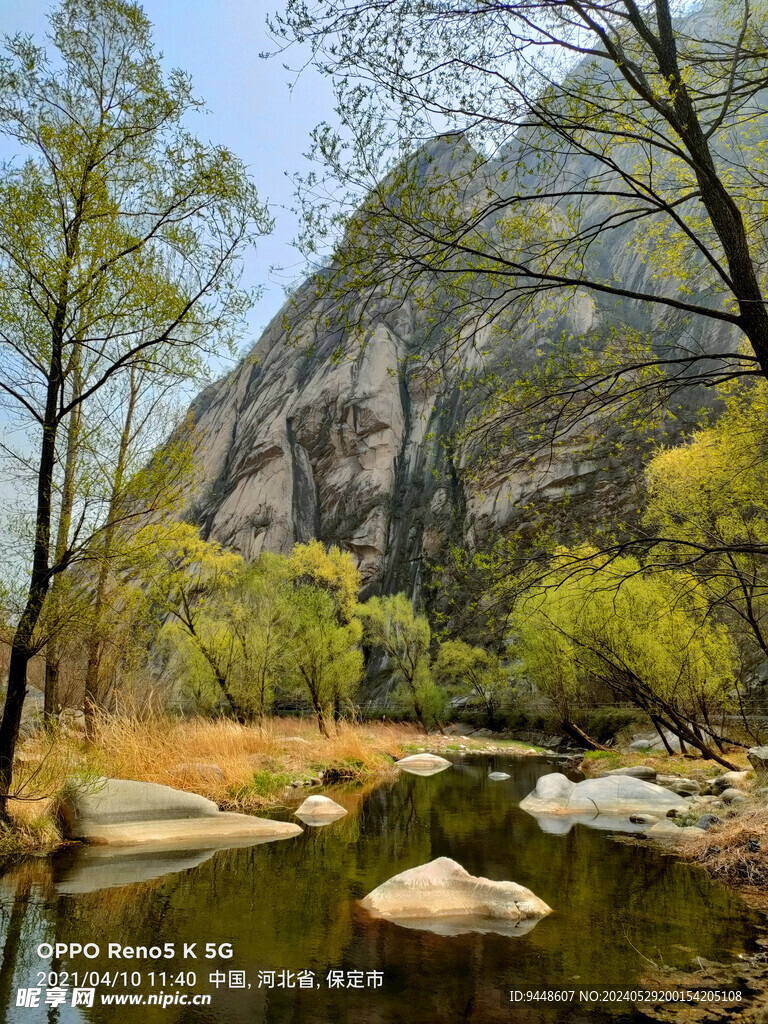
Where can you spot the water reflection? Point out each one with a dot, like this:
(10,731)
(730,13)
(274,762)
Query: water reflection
(293,906)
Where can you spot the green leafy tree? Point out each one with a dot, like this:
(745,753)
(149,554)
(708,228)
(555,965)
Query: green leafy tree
(119,241)
(189,583)
(473,668)
(331,569)
(391,625)
(241,632)
(324,654)
(708,510)
(707,513)
(648,638)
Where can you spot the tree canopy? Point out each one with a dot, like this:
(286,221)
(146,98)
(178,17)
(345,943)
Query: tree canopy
(120,234)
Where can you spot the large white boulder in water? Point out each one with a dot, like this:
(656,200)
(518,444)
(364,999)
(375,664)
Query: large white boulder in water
(423,764)
(443,897)
(614,796)
(319,810)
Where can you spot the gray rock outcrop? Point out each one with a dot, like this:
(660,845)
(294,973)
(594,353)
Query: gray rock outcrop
(617,796)
(730,780)
(758,758)
(332,428)
(676,784)
(442,896)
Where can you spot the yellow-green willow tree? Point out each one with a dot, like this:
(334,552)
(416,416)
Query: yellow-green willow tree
(647,638)
(120,235)
(707,514)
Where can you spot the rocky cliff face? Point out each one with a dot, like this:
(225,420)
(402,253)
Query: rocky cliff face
(316,434)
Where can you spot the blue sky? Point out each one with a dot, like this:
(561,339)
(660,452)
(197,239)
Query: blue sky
(251,108)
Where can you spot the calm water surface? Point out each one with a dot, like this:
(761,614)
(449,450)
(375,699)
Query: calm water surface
(292,906)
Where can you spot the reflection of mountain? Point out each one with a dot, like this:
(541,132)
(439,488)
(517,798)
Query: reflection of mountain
(294,905)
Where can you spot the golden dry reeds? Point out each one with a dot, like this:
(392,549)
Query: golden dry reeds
(233,764)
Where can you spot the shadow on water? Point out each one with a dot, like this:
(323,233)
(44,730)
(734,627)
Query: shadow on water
(292,906)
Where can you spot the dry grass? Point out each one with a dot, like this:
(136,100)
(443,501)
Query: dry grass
(736,851)
(688,765)
(34,829)
(236,765)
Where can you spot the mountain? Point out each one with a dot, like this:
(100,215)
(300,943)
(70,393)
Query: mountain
(319,434)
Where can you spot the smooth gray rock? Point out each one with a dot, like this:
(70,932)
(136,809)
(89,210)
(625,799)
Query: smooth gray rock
(732,796)
(758,758)
(635,771)
(728,780)
(498,776)
(683,787)
(319,810)
(442,896)
(666,832)
(706,821)
(116,801)
(122,812)
(423,764)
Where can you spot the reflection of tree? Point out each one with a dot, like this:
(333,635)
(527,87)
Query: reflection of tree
(11,944)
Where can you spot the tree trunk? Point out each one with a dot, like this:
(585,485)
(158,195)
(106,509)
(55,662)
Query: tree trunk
(52,648)
(662,736)
(91,701)
(684,734)
(580,736)
(22,645)
(724,213)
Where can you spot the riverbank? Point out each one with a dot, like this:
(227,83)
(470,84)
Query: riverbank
(734,850)
(240,767)
(735,853)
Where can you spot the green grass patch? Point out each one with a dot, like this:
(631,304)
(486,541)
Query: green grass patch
(263,783)
(689,818)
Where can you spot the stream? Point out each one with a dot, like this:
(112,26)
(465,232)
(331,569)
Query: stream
(292,906)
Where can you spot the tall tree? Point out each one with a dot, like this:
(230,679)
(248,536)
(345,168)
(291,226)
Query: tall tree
(649,640)
(323,654)
(392,625)
(119,234)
